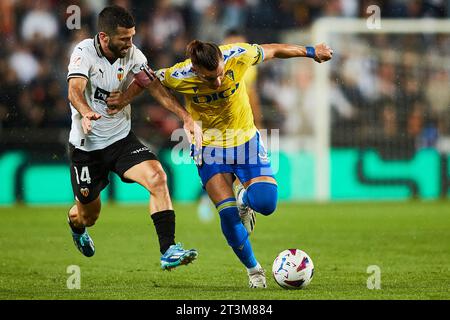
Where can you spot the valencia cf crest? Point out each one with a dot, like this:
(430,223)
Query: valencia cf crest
(230,74)
(84,192)
(120,73)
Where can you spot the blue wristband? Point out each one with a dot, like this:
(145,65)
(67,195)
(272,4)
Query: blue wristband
(310,52)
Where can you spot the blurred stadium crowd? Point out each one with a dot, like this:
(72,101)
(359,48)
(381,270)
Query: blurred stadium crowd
(397,96)
(391,89)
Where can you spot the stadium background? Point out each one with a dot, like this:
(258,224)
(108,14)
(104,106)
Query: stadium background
(386,136)
(389,121)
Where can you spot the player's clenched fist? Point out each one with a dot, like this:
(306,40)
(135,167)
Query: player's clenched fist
(86,120)
(323,53)
(115,102)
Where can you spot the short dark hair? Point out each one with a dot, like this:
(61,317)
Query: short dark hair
(112,17)
(204,54)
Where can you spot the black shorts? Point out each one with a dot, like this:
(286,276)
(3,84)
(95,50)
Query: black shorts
(89,170)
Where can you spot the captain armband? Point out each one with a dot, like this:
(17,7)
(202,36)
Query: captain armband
(144,77)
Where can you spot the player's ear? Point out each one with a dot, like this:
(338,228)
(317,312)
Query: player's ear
(103,36)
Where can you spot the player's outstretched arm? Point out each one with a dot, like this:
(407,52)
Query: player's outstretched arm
(319,53)
(168,101)
(147,79)
(78,101)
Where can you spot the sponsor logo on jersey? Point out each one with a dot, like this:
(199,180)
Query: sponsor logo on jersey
(76,62)
(207,98)
(101,94)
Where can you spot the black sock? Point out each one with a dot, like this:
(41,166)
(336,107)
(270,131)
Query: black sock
(75,229)
(164,222)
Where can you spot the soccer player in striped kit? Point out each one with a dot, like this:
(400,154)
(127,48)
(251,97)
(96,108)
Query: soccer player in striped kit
(101,142)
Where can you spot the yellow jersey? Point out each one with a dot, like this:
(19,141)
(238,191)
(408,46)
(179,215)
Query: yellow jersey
(251,77)
(225,113)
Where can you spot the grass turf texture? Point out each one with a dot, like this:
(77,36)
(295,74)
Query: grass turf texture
(410,242)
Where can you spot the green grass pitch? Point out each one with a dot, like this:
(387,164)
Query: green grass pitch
(410,242)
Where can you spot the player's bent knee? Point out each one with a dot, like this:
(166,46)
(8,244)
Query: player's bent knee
(262,197)
(156,180)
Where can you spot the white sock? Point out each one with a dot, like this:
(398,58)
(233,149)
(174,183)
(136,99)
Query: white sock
(255,268)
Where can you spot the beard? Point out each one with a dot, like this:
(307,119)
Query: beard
(117,51)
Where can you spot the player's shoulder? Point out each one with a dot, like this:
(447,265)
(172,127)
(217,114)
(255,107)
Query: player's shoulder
(235,50)
(85,47)
(181,71)
(236,45)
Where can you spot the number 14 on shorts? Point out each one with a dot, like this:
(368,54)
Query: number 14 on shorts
(84,177)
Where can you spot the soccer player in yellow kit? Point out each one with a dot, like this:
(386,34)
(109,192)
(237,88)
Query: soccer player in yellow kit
(211,81)
(250,78)
(205,209)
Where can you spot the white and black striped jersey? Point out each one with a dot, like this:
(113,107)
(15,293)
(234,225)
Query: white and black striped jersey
(88,61)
